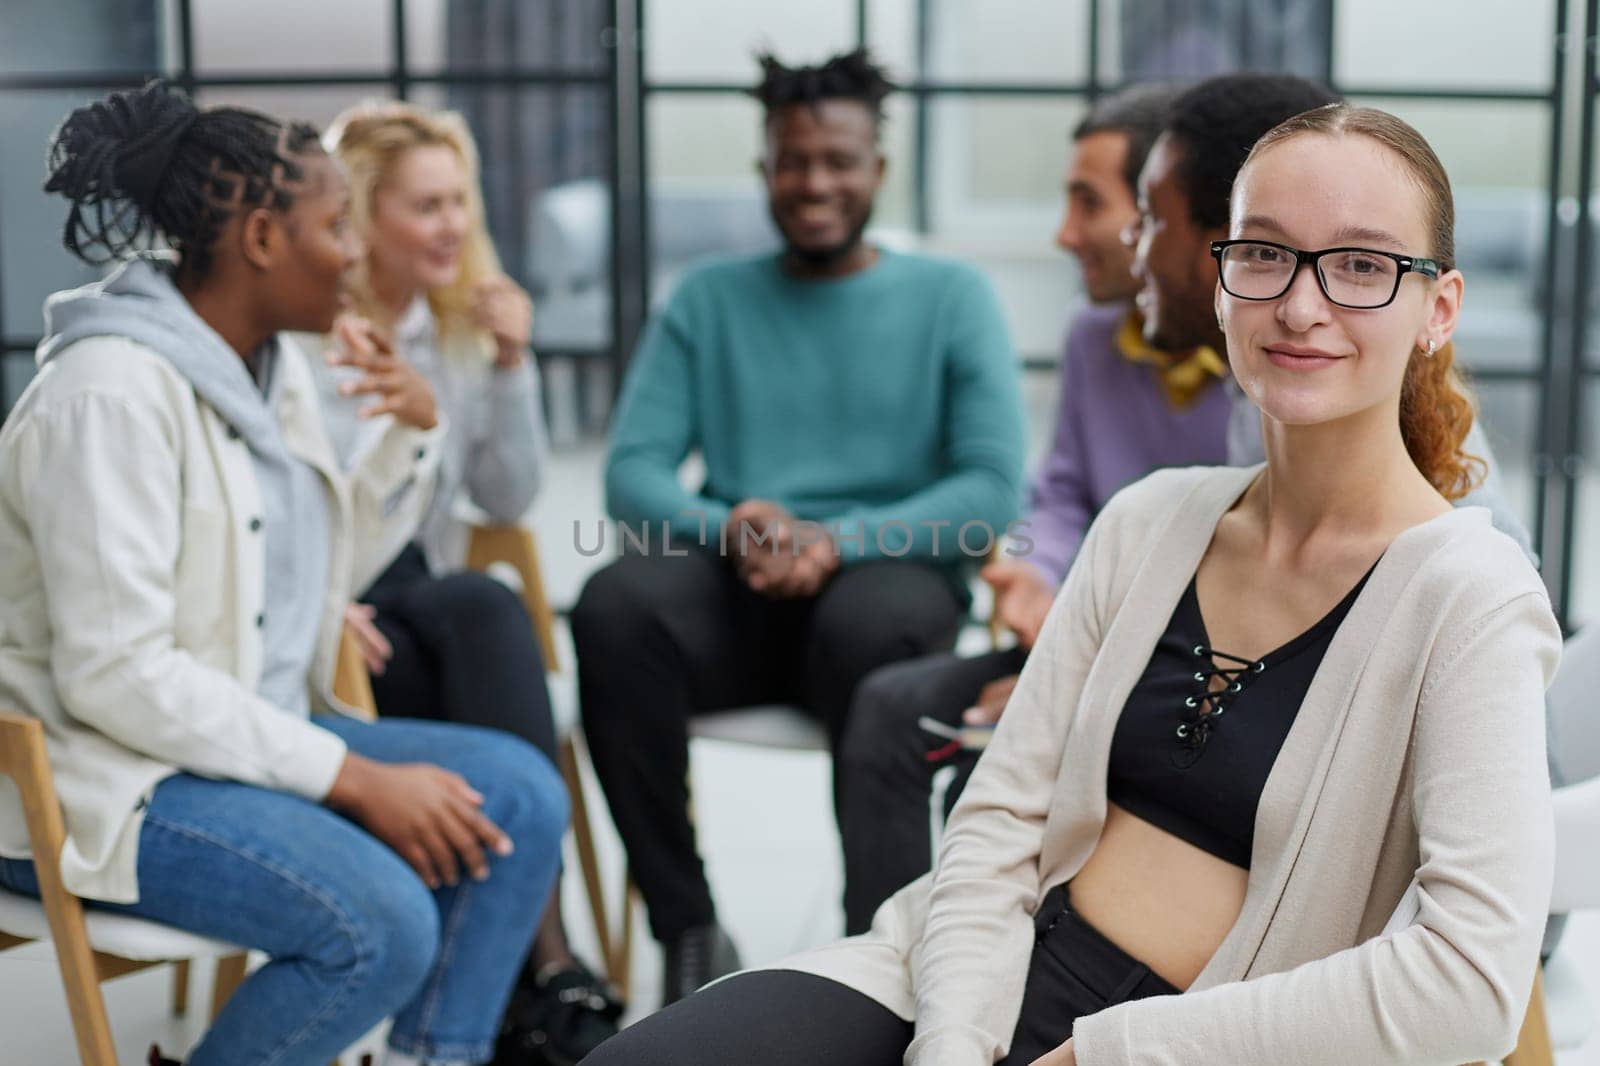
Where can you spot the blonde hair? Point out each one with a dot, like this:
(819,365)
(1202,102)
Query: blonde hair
(1436,406)
(370,139)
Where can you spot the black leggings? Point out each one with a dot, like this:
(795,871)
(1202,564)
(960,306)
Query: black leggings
(464,652)
(786,1018)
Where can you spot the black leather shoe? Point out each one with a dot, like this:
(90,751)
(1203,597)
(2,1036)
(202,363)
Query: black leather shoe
(556,1018)
(698,957)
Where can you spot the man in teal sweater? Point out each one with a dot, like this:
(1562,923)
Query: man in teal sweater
(859,416)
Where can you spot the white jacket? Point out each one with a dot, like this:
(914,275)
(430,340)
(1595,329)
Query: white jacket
(131,583)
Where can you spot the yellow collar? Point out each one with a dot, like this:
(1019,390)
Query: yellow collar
(1183,374)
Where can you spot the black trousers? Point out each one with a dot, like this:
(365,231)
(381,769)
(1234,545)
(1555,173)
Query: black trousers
(784,1018)
(464,652)
(663,637)
(886,775)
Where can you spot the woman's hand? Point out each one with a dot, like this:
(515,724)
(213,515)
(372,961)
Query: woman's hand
(504,310)
(431,817)
(376,651)
(402,391)
(1061,1056)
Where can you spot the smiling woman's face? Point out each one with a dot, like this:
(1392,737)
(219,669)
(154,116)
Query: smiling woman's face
(420,216)
(1300,358)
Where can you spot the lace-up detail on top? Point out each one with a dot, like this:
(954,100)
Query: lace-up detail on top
(1204,707)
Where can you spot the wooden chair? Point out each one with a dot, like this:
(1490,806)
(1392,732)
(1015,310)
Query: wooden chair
(1534,1047)
(91,946)
(515,547)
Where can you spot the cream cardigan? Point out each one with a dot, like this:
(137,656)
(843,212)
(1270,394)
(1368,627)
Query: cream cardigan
(1417,753)
(131,577)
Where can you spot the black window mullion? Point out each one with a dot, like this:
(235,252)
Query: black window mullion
(402,62)
(1568,438)
(1552,300)
(186,45)
(1094,50)
(921,213)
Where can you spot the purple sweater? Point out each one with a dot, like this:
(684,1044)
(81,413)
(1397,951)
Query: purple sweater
(1113,426)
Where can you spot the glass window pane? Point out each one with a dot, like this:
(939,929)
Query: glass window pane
(1509,412)
(1381,43)
(970,42)
(1584,607)
(318,105)
(33,263)
(892,37)
(720,40)
(895,208)
(1186,40)
(706,193)
(1499,185)
(95,36)
(546,181)
(995,169)
(527,35)
(247,35)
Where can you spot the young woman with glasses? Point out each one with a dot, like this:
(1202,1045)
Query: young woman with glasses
(1266,702)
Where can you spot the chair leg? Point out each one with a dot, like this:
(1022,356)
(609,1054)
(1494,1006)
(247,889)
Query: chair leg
(1533,1042)
(622,960)
(80,974)
(180,987)
(230,975)
(583,837)
(90,1025)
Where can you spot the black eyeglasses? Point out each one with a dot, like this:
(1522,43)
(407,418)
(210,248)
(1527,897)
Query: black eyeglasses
(1361,278)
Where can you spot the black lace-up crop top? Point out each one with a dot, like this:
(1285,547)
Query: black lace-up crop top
(1192,757)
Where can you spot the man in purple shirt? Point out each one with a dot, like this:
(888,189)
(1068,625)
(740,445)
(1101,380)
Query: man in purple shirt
(1126,408)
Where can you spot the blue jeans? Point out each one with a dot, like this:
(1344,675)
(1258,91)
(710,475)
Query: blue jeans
(353,934)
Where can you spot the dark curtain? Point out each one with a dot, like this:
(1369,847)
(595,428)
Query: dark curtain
(1187,40)
(530,137)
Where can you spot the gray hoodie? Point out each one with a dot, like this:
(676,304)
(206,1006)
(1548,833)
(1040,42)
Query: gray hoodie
(139,301)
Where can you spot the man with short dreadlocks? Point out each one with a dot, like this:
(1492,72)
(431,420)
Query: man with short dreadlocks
(859,417)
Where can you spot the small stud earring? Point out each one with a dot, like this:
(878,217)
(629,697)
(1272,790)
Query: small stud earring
(1431,346)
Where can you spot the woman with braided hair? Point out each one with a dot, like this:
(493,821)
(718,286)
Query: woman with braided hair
(178,546)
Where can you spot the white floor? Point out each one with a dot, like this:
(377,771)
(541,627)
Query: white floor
(770,846)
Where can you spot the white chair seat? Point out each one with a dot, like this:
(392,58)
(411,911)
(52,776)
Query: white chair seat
(563,689)
(115,934)
(765,725)
(1566,1003)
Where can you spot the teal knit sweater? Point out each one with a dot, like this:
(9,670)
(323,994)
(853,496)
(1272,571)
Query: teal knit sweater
(884,404)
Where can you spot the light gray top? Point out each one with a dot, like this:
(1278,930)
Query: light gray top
(497,444)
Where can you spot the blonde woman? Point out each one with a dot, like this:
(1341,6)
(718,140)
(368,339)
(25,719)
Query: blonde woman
(1266,701)
(441,642)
